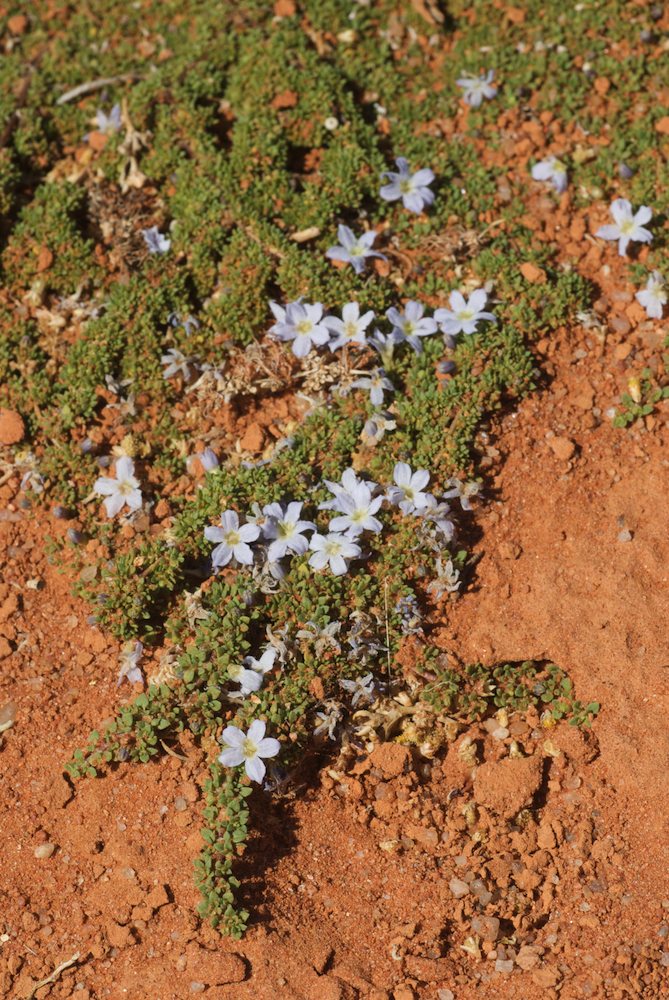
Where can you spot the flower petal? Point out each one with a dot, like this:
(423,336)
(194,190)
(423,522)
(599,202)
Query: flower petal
(268,747)
(608,232)
(256,731)
(232,736)
(255,769)
(232,757)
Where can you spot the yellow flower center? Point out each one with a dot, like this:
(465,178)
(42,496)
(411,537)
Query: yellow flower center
(249,748)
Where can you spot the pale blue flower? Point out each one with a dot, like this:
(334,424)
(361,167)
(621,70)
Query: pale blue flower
(410,325)
(407,491)
(413,189)
(350,329)
(188,324)
(249,681)
(475,88)
(384,345)
(356,509)
(302,323)
(248,749)
(463,491)
(285,530)
(627,227)
(328,720)
(654,296)
(209,460)
(553,170)
(176,363)
(464,315)
(121,489)
(233,540)
(376,383)
(347,485)
(436,513)
(108,124)
(360,690)
(333,550)
(376,427)
(129,668)
(354,250)
(155,241)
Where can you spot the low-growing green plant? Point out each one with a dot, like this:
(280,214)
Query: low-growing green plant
(641,400)
(248,151)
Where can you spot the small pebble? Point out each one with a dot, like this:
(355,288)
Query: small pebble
(504,966)
(196,987)
(44,851)
(180,803)
(625,535)
(458,887)
(486,927)
(7,716)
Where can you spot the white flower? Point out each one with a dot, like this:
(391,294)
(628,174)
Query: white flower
(353,249)
(376,384)
(348,484)
(328,720)
(248,680)
(129,663)
(553,170)
(206,460)
(477,87)
(376,427)
(302,323)
(233,540)
(464,314)
(447,581)
(654,296)
(323,639)
(464,492)
(108,124)
(176,363)
(408,492)
(248,749)
(350,329)
(333,549)
(384,345)
(410,325)
(209,460)
(265,664)
(361,689)
(155,241)
(413,189)
(357,508)
(627,227)
(285,530)
(120,490)
(436,514)
(250,675)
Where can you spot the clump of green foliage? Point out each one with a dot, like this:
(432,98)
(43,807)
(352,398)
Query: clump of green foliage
(642,398)
(477,690)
